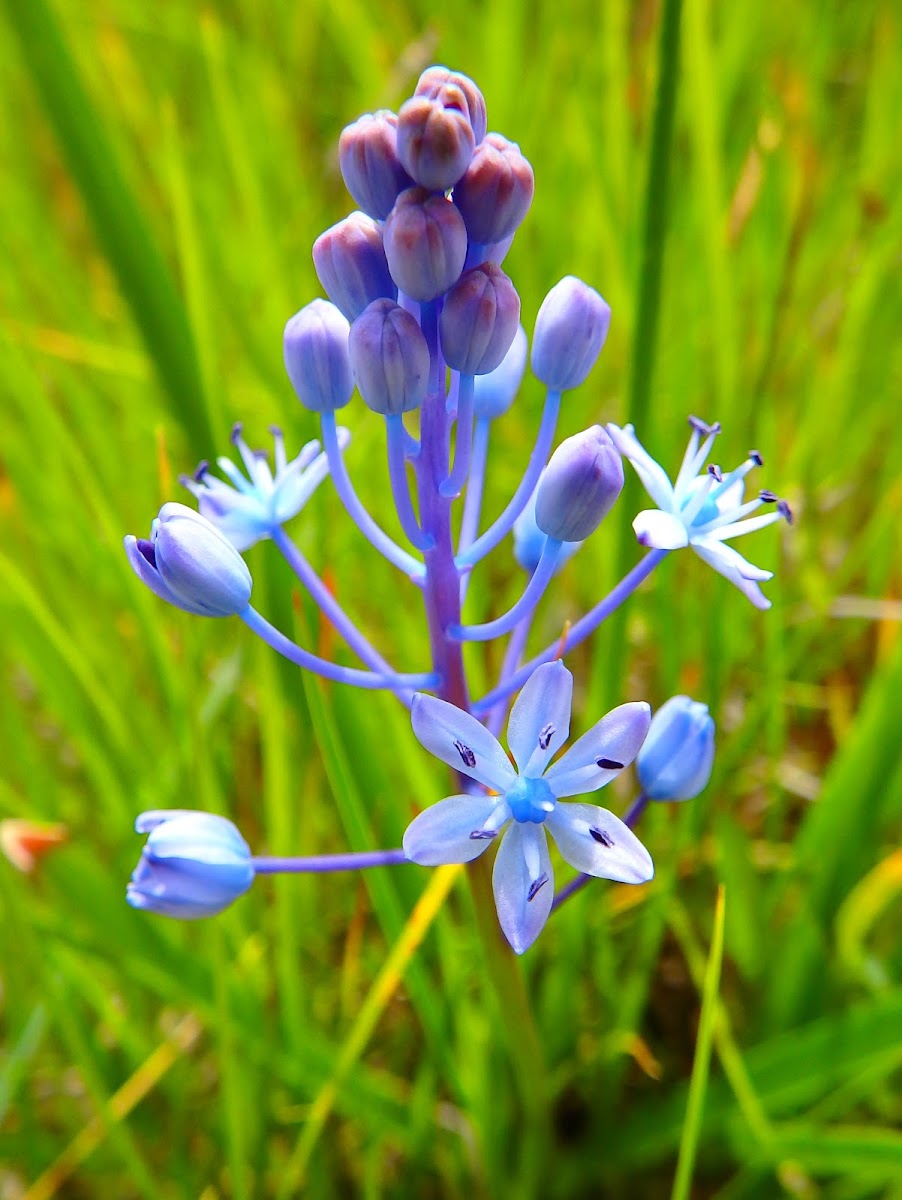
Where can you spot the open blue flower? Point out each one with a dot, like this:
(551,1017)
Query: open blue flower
(591,839)
(249,508)
(702,510)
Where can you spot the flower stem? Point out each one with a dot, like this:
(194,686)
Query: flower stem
(321,863)
(524,607)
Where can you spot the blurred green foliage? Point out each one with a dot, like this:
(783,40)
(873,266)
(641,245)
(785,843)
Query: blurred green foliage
(165,169)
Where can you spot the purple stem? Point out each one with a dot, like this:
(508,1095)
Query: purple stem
(630,817)
(463,442)
(469,523)
(538,582)
(576,633)
(397,470)
(320,863)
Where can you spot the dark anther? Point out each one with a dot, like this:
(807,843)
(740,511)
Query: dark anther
(536,886)
(715,472)
(785,511)
(602,837)
(237,430)
(703,427)
(609,764)
(200,470)
(546,733)
(261,454)
(275,430)
(768,497)
(756,458)
(467,756)
(483,835)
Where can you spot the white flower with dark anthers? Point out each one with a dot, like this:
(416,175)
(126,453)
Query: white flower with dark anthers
(591,839)
(703,511)
(248,508)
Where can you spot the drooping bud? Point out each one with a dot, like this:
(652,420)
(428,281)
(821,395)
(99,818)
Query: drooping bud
(579,486)
(425,244)
(676,759)
(442,84)
(370,167)
(494,393)
(529,540)
(315,349)
(570,331)
(351,265)
(435,142)
(479,320)
(190,564)
(495,193)
(390,358)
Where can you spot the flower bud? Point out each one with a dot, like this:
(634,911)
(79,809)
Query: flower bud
(194,864)
(479,320)
(494,393)
(425,244)
(390,358)
(442,84)
(435,143)
(579,486)
(676,759)
(570,331)
(315,349)
(368,157)
(529,540)
(495,193)
(351,265)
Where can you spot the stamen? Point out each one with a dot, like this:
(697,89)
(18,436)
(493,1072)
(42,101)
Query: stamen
(703,427)
(785,511)
(467,756)
(609,764)
(601,837)
(237,430)
(483,835)
(546,733)
(715,472)
(768,497)
(535,887)
(276,431)
(756,458)
(200,470)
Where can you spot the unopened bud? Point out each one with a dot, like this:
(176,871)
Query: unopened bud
(425,244)
(570,331)
(370,167)
(480,317)
(495,193)
(442,84)
(351,265)
(435,143)
(676,758)
(493,394)
(579,486)
(315,350)
(390,358)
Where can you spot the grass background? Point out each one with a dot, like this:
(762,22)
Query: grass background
(165,169)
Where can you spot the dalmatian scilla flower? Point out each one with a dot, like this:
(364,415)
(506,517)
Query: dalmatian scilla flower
(676,758)
(703,511)
(460,828)
(249,507)
(194,864)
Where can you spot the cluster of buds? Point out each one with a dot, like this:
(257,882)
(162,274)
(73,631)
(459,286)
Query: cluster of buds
(424,323)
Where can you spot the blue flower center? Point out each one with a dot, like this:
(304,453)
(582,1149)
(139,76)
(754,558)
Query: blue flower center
(530,800)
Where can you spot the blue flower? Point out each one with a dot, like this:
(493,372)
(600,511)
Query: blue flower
(676,759)
(701,510)
(591,839)
(194,864)
(249,508)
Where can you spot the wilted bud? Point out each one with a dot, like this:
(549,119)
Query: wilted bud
(442,84)
(579,486)
(529,540)
(435,143)
(390,359)
(425,244)
(494,393)
(351,265)
(315,349)
(676,759)
(570,331)
(495,193)
(480,317)
(368,157)
(190,564)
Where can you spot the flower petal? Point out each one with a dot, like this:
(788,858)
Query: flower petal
(660,530)
(730,563)
(596,842)
(459,740)
(610,745)
(652,475)
(540,719)
(151,577)
(523,882)
(443,833)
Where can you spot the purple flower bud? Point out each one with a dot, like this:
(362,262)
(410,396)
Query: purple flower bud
(479,320)
(390,358)
(351,265)
(676,759)
(570,331)
(435,143)
(425,244)
(529,540)
(368,156)
(442,84)
(494,393)
(495,193)
(579,486)
(315,349)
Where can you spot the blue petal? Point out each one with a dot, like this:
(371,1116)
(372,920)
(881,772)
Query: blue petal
(652,475)
(597,843)
(540,719)
(523,869)
(459,740)
(443,832)
(730,563)
(599,755)
(152,578)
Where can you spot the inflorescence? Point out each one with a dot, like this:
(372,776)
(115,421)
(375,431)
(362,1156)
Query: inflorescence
(424,323)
